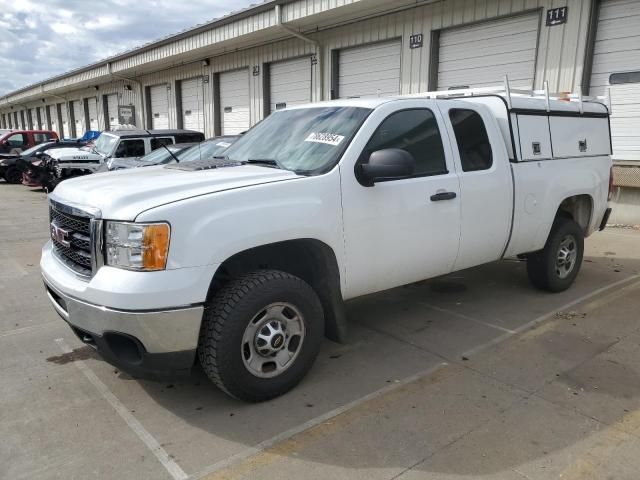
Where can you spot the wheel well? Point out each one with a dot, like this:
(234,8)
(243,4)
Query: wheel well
(311,260)
(578,208)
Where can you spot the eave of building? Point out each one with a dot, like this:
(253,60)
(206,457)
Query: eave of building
(254,26)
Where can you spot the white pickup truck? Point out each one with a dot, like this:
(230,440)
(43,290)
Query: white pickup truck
(244,262)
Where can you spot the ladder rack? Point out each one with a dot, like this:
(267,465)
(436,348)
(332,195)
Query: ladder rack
(509,92)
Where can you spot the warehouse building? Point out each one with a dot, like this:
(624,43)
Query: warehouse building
(224,76)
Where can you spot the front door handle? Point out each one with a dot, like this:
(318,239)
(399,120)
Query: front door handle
(438,197)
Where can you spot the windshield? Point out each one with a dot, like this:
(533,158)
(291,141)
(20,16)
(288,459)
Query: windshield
(105,144)
(33,150)
(306,140)
(205,150)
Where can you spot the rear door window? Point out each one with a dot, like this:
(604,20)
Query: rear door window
(472,139)
(130,148)
(40,138)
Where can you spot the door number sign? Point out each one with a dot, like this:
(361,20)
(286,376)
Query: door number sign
(416,40)
(557,16)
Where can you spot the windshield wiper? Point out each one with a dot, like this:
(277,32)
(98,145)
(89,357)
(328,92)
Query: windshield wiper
(263,161)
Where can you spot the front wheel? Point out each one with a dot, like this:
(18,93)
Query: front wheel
(556,266)
(13,175)
(261,334)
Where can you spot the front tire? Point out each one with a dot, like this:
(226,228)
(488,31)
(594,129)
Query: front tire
(261,334)
(13,175)
(556,266)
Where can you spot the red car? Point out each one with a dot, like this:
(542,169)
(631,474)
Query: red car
(15,141)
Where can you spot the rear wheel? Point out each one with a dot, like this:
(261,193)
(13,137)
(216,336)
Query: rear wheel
(556,266)
(261,335)
(13,175)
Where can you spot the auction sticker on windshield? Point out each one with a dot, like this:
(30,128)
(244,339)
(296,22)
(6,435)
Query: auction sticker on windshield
(328,138)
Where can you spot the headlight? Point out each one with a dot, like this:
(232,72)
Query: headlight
(137,246)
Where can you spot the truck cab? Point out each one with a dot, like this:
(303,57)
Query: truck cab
(16,141)
(243,262)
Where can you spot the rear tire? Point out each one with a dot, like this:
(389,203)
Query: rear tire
(261,334)
(13,175)
(555,268)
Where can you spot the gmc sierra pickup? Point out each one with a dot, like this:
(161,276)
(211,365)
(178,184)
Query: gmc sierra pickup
(244,262)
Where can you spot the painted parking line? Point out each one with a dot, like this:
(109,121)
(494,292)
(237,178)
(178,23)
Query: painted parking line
(468,318)
(31,328)
(211,472)
(150,442)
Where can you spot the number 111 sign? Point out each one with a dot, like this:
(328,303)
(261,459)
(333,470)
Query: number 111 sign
(557,16)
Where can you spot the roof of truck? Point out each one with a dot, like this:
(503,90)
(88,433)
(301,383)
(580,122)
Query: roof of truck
(517,102)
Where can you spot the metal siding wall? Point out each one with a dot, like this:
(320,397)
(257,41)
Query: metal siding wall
(560,57)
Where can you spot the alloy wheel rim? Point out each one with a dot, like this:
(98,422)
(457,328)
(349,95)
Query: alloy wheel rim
(567,256)
(272,340)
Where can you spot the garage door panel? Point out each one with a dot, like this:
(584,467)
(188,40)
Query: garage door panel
(92,105)
(159,107)
(192,104)
(493,47)
(290,82)
(503,29)
(78,117)
(370,70)
(112,110)
(234,102)
(617,49)
(481,55)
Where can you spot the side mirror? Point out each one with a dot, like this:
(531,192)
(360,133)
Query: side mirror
(387,164)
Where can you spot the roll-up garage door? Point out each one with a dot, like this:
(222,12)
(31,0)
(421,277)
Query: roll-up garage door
(42,119)
(112,110)
(53,118)
(192,104)
(369,70)
(78,118)
(34,118)
(159,107)
(290,83)
(92,106)
(234,102)
(66,127)
(482,54)
(617,51)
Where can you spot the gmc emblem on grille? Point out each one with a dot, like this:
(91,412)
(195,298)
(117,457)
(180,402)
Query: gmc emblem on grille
(60,235)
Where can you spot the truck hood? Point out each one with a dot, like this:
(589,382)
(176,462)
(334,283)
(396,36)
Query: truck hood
(73,154)
(124,194)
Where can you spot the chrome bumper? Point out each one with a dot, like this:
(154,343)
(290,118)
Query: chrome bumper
(164,331)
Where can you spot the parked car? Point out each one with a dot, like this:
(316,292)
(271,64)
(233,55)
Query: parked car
(184,152)
(128,144)
(15,141)
(163,155)
(14,165)
(244,262)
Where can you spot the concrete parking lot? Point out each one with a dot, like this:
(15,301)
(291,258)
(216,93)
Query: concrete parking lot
(471,375)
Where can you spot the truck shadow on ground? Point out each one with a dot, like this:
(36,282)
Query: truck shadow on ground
(470,402)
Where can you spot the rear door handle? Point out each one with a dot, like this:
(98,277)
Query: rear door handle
(438,197)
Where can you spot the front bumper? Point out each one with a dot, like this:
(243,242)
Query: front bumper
(140,342)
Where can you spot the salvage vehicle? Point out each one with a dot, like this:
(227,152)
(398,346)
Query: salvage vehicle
(127,144)
(244,262)
(15,141)
(13,166)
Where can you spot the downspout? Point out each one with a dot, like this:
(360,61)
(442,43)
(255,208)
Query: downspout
(315,43)
(140,91)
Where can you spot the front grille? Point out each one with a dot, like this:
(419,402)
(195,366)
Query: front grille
(71,237)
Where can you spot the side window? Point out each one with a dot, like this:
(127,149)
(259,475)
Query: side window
(40,138)
(157,142)
(130,148)
(415,131)
(17,140)
(473,141)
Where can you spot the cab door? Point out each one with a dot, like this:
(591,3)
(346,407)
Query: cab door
(486,199)
(402,230)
